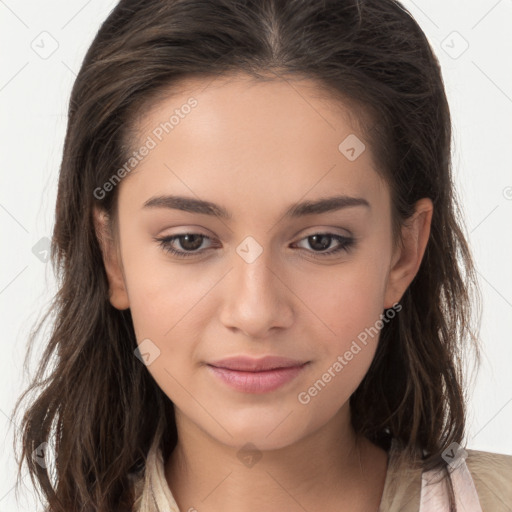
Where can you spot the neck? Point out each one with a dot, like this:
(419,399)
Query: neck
(332,467)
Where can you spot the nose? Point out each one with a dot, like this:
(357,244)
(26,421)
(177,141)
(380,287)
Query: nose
(257,297)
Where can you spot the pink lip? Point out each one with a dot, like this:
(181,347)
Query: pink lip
(256,381)
(246,363)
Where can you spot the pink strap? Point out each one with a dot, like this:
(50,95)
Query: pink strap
(434,491)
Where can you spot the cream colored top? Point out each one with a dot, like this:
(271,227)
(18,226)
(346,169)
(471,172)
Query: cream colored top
(482,482)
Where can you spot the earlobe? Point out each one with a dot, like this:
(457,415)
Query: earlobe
(408,256)
(118,295)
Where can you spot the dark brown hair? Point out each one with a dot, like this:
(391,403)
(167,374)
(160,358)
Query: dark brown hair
(96,404)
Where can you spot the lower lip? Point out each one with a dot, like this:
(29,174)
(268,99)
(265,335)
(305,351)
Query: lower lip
(257,382)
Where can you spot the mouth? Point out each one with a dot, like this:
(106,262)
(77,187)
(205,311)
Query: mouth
(250,364)
(259,380)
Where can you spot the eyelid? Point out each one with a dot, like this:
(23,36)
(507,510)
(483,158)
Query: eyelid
(327,230)
(345,244)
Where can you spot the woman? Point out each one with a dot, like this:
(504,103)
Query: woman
(265,287)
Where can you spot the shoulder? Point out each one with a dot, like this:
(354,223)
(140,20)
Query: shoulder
(492,476)
(481,482)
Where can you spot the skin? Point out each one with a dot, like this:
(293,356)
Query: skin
(255,148)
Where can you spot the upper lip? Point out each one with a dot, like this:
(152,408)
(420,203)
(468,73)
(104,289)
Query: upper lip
(245,363)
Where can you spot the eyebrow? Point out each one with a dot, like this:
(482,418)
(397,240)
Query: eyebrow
(296,210)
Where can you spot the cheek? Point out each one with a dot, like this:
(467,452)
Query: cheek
(162,295)
(346,299)
(348,302)
(350,306)
(166,310)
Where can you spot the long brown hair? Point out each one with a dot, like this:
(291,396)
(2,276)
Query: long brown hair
(95,403)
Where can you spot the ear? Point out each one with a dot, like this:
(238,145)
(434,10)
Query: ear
(407,258)
(118,295)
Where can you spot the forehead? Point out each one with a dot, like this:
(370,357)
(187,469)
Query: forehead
(227,102)
(274,137)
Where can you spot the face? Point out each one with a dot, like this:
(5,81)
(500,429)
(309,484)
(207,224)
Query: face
(263,278)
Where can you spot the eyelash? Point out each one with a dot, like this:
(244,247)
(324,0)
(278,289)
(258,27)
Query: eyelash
(346,244)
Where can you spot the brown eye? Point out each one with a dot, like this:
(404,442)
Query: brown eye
(321,241)
(189,243)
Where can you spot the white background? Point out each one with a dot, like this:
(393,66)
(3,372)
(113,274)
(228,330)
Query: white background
(34,93)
